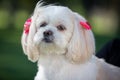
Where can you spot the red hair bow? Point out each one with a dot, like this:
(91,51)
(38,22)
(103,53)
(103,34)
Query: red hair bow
(85,25)
(27,25)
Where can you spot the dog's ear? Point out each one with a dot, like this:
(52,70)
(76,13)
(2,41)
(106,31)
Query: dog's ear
(28,45)
(82,44)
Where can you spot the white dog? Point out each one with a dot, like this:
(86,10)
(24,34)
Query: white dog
(62,43)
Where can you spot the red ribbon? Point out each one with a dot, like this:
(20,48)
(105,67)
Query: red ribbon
(85,25)
(27,25)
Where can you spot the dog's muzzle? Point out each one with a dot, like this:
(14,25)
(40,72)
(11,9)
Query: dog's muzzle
(48,36)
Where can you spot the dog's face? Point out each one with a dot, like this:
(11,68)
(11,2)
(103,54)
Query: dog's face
(57,30)
(54,27)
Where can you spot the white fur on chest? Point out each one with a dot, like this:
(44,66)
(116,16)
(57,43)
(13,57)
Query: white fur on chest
(57,68)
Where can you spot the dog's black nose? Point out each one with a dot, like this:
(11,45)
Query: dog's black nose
(48,33)
(48,36)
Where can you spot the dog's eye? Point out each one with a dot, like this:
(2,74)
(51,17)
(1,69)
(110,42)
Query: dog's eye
(61,27)
(43,24)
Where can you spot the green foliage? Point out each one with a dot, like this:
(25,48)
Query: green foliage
(19,18)
(4,18)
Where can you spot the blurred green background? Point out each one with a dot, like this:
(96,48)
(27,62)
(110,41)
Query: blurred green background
(103,15)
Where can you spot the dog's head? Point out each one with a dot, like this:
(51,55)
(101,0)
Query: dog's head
(57,30)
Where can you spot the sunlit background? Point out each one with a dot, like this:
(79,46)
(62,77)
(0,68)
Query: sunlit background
(103,15)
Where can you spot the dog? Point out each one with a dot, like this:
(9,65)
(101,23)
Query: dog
(62,43)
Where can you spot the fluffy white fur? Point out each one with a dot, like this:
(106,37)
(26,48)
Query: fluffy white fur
(71,54)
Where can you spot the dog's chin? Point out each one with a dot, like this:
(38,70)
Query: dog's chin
(50,47)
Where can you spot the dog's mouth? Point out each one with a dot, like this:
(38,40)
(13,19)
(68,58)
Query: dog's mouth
(48,39)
